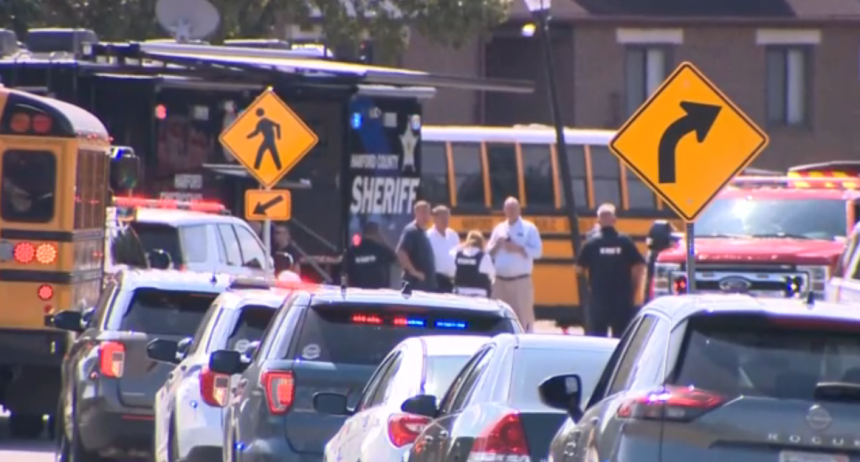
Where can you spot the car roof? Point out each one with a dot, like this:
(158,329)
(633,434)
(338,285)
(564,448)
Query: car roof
(180,217)
(549,341)
(236,299)
(174,280)
(677,308)
(334,294)
(449,345)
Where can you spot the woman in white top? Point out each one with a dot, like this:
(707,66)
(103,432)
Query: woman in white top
(474,267)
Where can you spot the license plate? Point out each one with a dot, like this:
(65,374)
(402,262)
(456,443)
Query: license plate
(796,456)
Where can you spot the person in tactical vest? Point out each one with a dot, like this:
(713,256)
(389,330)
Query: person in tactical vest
(474,267)
(368,261)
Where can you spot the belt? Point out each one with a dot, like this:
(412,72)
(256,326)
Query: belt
(513,278)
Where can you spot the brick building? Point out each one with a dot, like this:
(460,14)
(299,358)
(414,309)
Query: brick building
(792,65)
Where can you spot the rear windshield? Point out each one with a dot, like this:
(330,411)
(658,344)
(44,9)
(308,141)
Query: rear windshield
(155,236)
(768,357)
(365,334)
(163,312)
(534,365)
(440,372)
(250,326)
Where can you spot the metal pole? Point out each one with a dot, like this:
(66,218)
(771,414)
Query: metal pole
(691,259)
(560,143)
(267,233)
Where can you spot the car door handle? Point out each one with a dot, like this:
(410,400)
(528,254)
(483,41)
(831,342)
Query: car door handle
(443,435)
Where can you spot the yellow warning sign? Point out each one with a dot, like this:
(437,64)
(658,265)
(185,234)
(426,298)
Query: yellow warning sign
(273,204)
(268,138)
(688,141)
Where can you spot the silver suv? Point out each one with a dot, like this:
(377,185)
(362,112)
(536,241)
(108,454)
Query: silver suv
(721,378)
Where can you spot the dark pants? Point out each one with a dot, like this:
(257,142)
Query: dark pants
(601,316)
(444,284)
(427,285)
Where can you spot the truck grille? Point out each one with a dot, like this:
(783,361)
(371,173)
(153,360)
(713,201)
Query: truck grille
(755,280)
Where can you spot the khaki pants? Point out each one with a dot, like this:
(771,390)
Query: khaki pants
(520,294)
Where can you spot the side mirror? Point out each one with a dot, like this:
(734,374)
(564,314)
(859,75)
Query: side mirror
(182,347)
(660,236)
(563,392)
(163,351)
(226,362)
(159,259)
(331,403)
(68,320)
(124,169)
(421,405)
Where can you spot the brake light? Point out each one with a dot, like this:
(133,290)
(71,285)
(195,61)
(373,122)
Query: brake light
(404,428)
(46,254)
(366,319)
(505,438)
(45,292)
(680,404)
(680,285)
(24,252)
(280,389)
(112,359)
(214,387)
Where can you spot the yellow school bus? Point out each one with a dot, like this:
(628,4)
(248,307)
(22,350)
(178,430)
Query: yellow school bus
(54,161)
(473,169)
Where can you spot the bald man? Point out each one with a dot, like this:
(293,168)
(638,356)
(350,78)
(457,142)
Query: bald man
(514,245)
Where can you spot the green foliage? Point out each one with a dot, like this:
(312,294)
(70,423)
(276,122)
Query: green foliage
(345,22)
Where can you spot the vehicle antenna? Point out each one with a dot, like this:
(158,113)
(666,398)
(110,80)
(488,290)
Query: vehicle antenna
(406,289)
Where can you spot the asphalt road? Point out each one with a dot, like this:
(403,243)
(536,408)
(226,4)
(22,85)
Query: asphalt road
(43,450)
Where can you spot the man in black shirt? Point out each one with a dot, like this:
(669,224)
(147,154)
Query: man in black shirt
(615,269)
(284,251)
(415,253)
(368,264)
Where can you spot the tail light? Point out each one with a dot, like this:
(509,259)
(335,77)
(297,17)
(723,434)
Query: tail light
(404,428)
(45,292)
(214,387)
(24,252)
(679,404)
(280,389)
(680,285)
(46,254)
(503,439)
(112,359)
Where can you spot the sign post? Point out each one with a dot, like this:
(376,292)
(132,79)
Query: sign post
(268,139)
(687,172)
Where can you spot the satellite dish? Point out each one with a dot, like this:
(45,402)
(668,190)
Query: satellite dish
(187,20)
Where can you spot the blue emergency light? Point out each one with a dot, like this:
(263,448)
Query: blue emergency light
(450,324)
(356,120)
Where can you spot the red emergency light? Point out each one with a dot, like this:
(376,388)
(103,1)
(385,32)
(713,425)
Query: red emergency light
(171,204)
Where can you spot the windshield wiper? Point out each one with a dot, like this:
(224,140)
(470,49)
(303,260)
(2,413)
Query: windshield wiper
(781,235)
(837,391)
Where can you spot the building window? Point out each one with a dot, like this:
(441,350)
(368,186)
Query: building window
(645,68)
(787,85)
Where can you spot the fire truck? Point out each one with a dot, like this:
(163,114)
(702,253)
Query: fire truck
(769,236)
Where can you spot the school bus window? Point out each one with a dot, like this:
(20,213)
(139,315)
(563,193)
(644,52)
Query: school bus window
(576,161)
(606,176)
(504,178)
(434,173)
(537,172)
(79,191)
(469,174)
(639,196)
(28,186)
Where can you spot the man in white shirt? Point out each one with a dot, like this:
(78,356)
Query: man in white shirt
(443,240)
(514,245)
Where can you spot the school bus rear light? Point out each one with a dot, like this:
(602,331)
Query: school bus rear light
(24,252)
(46,292)
(46,254)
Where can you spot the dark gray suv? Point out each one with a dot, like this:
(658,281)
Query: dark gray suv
(722,378)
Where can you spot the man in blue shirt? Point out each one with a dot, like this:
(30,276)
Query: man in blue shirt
(415,253)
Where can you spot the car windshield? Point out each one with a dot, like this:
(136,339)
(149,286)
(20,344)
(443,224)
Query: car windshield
(774,357)
(440,372)
(774,218)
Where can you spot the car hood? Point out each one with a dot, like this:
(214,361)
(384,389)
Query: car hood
(801,251)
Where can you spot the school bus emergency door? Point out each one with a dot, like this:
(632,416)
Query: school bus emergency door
(474,169)
(53,183)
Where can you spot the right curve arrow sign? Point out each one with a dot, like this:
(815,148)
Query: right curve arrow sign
(699,118)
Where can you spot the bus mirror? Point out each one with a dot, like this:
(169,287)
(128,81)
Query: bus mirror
(125,169)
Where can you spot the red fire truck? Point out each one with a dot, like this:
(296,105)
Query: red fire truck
(773,236)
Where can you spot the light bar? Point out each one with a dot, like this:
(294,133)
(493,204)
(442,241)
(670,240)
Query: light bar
(135,202)
(408,321)
(270,283)
(797,182)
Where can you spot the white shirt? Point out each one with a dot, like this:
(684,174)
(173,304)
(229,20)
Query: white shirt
(513,264)
(442,246)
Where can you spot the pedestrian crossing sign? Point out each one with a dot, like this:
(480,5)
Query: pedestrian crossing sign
(268,138)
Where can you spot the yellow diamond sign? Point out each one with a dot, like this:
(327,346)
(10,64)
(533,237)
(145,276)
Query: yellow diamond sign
(268,138)
(688,141)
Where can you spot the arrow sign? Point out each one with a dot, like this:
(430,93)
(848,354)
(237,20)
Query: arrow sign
(262,207)
(699,118)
